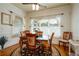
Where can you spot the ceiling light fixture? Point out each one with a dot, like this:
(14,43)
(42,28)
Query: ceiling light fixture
(35,6)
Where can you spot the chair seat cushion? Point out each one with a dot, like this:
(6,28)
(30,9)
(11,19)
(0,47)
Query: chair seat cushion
(64,40)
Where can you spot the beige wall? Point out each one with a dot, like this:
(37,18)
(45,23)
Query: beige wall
(8,30)
(6,8)
(75,21)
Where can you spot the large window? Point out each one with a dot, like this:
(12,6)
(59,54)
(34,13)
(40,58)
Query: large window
(47,25)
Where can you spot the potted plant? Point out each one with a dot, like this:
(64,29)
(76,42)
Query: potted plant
(3,40)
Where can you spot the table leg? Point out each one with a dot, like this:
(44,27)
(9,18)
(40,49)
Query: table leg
(59,43)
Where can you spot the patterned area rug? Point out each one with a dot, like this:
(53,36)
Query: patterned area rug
(55,52)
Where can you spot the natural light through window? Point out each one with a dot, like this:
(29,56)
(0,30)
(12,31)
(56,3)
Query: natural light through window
(48,25)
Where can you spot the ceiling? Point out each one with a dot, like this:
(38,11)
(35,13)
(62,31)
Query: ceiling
(28,7)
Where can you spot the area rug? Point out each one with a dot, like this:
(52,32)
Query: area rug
(55,52)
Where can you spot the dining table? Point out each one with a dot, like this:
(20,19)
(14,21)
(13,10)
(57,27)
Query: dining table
(44,39)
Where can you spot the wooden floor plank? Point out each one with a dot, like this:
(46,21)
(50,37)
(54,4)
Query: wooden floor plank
(62,51)
(9,50)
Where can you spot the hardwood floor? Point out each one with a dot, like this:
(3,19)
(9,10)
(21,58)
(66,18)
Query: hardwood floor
(9,50)
(63,52)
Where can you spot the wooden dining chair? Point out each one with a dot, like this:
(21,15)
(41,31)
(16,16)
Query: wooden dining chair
(66,37)
(27,31)
(50,41)
(22,34)
(31,39)
(23,45)
(49,49)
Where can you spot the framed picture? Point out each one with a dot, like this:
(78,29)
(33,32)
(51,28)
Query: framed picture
(5,19)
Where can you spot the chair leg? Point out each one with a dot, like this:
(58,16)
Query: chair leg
(64,46)
(59,43)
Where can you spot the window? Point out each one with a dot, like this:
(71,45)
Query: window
(47,25)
